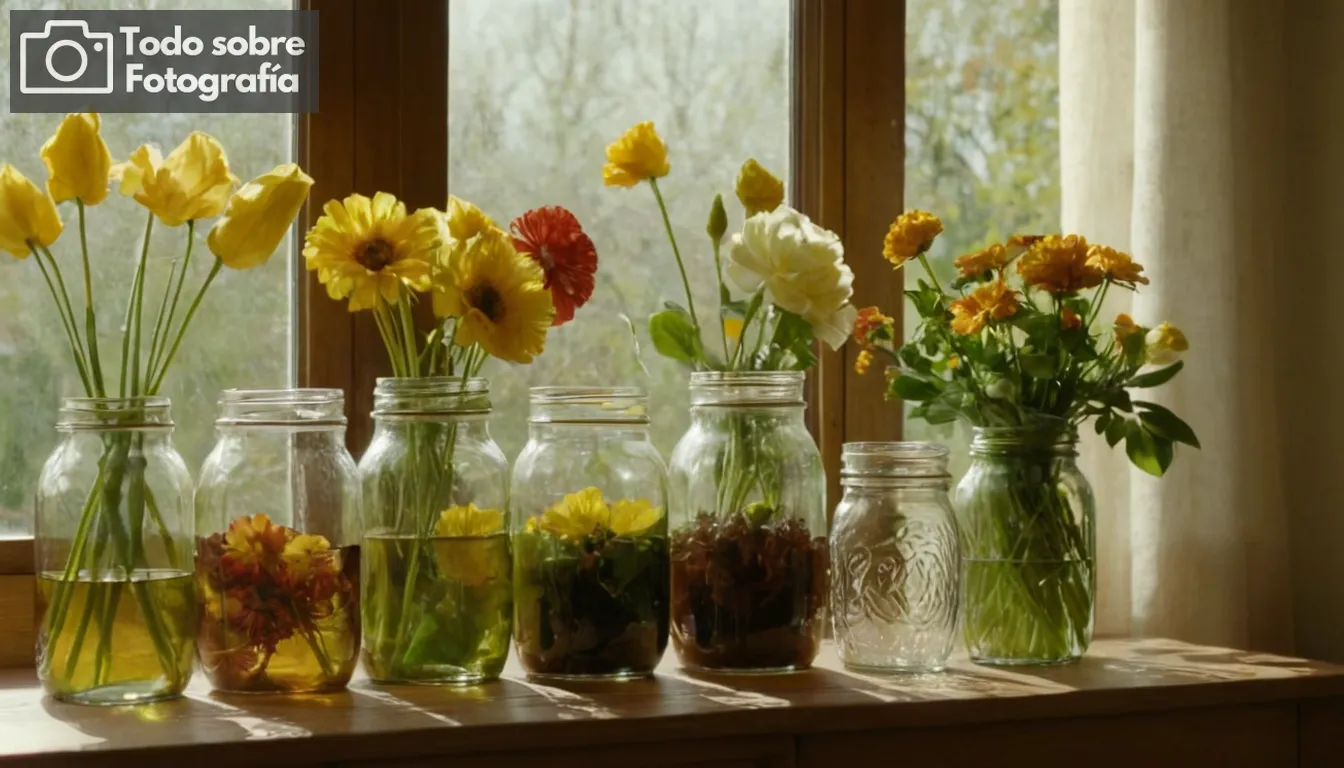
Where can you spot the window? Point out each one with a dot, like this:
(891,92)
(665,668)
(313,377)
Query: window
(538,88)
(35,365)
(981,134)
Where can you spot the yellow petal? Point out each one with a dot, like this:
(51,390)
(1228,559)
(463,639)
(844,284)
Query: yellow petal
(732,328)
(465,220)
(469,520)
(757,189)
(638,155)
(78,162)
(577,514)
(258,217)
(630,517)
(193,182)
(27,214)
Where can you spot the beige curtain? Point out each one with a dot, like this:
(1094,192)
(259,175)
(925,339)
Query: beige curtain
(1207,137)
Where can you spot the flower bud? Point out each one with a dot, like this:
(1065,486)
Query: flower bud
(718,220)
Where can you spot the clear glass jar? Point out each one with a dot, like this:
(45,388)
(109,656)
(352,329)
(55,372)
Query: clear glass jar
(437,565)
(116,616)
(748,516)
(895,558)
(277,554)
(1028,531)
(590,536)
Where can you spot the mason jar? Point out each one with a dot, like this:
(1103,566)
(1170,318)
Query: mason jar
(589,522)
(895,560)
(436,566)
(277,553)
(1028,530)
(748,517)
(116,615)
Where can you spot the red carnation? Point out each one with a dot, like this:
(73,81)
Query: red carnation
(554,239)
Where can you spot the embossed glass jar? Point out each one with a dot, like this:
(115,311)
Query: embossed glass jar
(894,558)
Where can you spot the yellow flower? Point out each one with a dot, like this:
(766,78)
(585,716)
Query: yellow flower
(469,521)
(498,296)
(77,160)
(863,362)
(1069,320)
(1165,343)
(973,265)
(953,362)
(910,235)
(1057,264)
(258,217)
(465,220)
(27,214)
(757,189)
(994,301)
(631,517)
(732,328)
(1124,328)
(637,156)
(577,515)
(305,555)
(193,182)
(1115,266)
(365,249)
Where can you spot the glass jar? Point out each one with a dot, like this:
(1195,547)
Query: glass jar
(590,536)
(277,558)
(437,565)
(895,558)
(1027,521)
(748,515)
(116,616)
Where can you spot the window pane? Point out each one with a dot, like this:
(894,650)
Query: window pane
(981,134)
(241,336)
(538,88)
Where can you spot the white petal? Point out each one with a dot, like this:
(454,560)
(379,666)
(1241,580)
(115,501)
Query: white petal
(834,330)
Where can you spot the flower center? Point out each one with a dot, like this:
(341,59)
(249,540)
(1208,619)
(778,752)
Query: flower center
(375,254)
(485,298)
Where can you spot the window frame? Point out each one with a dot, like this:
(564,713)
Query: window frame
(383,120)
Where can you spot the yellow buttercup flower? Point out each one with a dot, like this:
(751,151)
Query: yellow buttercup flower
(757,189)
(631,517)
(994,301)
(1115,266)
(27,214)
(637,156)
(973,265)
(953,362)
(465,220)
(577,514)
(498,296)
(365,249)
(863,362)
(469,521)
(193,182)
(910,235)
(1058,264)
(258,217)
(1164,345)
(732,328)
(77,160)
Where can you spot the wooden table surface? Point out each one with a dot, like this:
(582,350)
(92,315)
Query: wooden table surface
(685,719)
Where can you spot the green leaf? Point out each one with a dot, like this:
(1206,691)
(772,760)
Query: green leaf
(913,389)
(1142,448)
(1156,378)
(1115,429)
(674,336)
(791,344)
(1166,424)
(1039,366)
(1102,421)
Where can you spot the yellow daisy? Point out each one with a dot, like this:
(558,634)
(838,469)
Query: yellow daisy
(469,521)
(631,517)
(577,514)
(498,296)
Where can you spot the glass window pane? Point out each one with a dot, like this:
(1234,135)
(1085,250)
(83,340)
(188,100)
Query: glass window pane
(241,336)
(981,135)
(538,88)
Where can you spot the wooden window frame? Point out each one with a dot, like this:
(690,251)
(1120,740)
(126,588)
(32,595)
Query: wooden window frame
(383,125)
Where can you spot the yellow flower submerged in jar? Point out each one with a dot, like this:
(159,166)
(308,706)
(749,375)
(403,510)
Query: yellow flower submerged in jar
(366,249)
(78,162)
(193,182)
(911,234)
(637,156)
(469,520)
(631,517)
(458,546)
(586,512)
(27,214)
(757,189)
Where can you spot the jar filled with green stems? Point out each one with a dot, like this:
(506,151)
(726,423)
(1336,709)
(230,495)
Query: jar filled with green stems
(116,615)
(436,567)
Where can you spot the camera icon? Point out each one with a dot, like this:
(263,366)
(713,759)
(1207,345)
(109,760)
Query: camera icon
(66,59)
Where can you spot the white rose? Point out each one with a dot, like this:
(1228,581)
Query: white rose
(802,268)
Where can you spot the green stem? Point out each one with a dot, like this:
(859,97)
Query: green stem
(90,316)
(389,338)
(129,326)
(928,270)
(681,265)
(724,297)
(163,322)
(753,307)
(408,333)
(1096,303)
(182,330)
(76,350)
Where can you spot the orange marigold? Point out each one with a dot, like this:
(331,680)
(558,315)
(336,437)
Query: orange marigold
(1116,266)
(994,301)
(910,235)
(1058,264)
(971,265)
(253,544)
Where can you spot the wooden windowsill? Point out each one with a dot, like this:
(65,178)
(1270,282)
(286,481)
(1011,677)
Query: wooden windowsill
(1135,688)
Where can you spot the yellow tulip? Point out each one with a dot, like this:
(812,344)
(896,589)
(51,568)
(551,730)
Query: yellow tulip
(258,217)
(27,214)
(77,160)
(757,189)
(637,156)
(193,182)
